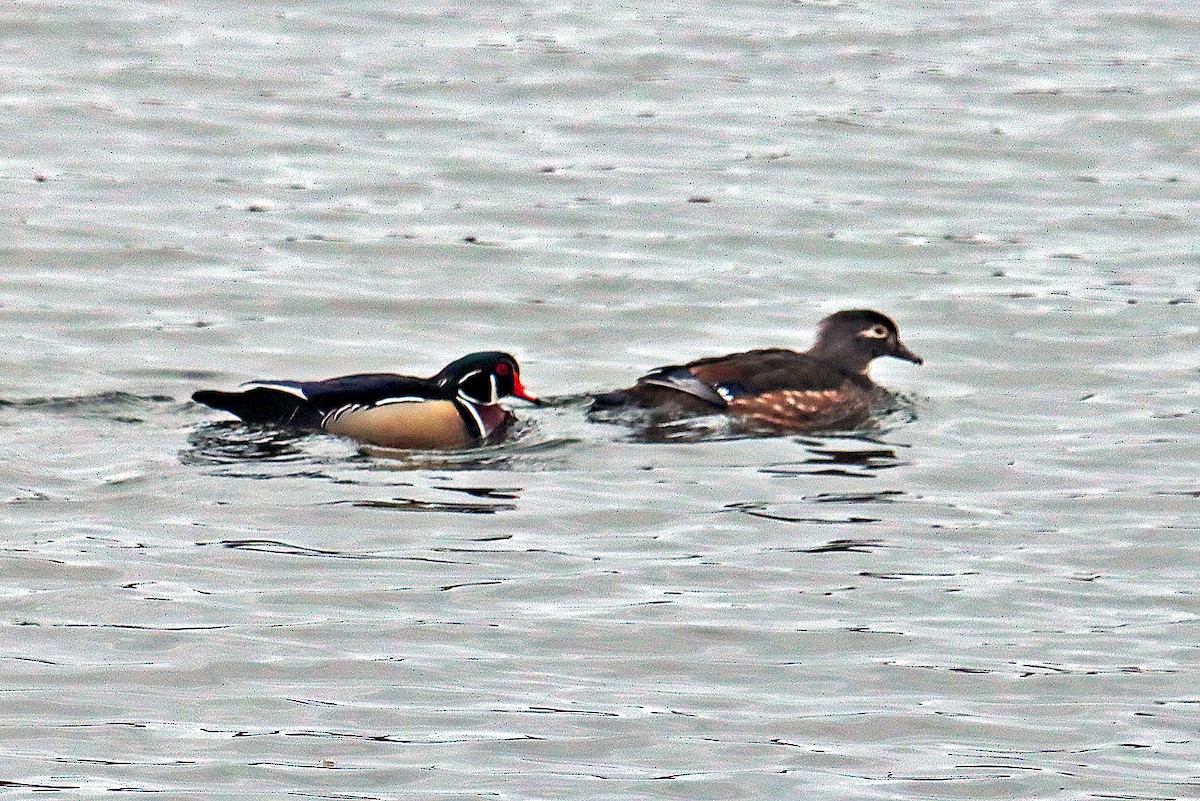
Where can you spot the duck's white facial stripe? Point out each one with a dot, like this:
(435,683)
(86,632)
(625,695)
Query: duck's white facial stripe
(462,392)
(494,397)
(875,332)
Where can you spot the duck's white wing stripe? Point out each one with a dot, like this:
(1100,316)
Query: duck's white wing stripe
(684,381)
(290,390)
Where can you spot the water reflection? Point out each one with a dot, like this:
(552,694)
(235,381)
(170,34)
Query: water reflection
(121,407)
(897,409)
(281,547)
(231,442)
(828,458)
(542,441)
(882,496)
(39,788)
(516,449)
(712,428)
(238,450)
(764,510)
(508,493)
(415,505)
(844,546)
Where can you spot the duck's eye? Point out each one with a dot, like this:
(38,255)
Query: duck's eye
(876,332)
(501,368)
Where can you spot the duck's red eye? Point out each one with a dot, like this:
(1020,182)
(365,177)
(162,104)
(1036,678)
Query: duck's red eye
(502,369)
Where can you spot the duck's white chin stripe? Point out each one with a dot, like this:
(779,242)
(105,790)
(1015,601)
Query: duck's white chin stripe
(479,424)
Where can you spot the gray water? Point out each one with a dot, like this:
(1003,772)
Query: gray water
(992,594)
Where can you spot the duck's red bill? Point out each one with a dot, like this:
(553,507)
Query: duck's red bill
(522,393)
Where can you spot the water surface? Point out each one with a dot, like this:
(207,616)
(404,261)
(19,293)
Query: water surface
(989,596)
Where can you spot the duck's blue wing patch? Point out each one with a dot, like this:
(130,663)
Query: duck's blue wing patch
(731,390)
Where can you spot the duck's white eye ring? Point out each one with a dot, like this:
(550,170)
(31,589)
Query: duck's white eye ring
(876,332)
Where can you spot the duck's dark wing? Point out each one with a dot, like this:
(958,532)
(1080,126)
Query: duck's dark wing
(364,389)
(711,385)
(672,389)
(721,379)
(788,391)
(755,372)
(680,379)
(306,404)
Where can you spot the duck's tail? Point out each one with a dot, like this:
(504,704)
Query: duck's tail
(265,405)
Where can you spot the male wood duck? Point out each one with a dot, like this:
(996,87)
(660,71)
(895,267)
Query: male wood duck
(824,388)
(457,408)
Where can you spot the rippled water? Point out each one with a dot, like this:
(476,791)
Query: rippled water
(992,594)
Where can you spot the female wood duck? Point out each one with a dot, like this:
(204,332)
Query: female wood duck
(824,388)
(457,408)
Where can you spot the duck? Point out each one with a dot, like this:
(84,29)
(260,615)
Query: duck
(825,388)
(459,407)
